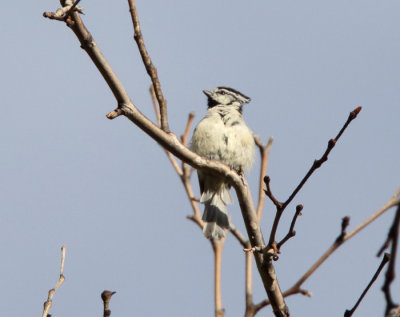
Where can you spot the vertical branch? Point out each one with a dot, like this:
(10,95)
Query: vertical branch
(151,70)
(264,154)
(217,248)
(47,304)
(249,285)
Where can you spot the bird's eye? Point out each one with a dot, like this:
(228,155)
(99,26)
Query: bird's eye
(222,93)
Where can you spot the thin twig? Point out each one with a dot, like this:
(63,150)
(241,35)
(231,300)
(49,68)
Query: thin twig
(390,273)
(185,135)
(316,164)
(171,158)
(339,241)
(291,232)
(72,9)
(47,304)
(106,297)
(63,13)
(386,258)
(239,236)
(151,70)
(155,105)
(264,155)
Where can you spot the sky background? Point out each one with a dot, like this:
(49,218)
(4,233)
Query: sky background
(105,190)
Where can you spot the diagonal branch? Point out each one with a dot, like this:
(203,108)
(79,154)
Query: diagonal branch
(151,70)
(385,259)
(291,232)
(280,206)
(342,238)
(390,273)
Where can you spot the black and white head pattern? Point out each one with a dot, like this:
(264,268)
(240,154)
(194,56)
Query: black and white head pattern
(225,96)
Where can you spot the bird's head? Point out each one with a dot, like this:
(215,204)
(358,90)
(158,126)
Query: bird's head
(225,96)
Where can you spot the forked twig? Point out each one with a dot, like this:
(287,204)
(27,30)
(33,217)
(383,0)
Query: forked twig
(386,258)
(63,13)
(280,206)
(291,232)
(47,304)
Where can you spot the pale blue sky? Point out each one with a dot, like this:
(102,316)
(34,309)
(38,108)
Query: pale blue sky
(106,191)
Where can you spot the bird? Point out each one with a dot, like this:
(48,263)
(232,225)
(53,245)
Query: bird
(222,135)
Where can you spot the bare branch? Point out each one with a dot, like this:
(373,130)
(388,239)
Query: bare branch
(155,105)
(390,273)
(171,158)
(47,304)
(295,289)
(239,236)
(151,70)
(349,313)
(184,136)
(106,297)
(217,247)
(264,154)
(280,207)
(291,232)
(63,13)
(317,163)
(171,143)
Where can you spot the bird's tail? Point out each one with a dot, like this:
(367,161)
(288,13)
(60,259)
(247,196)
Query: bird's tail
(215,213)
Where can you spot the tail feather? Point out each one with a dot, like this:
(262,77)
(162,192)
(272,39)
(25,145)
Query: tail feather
(215,213)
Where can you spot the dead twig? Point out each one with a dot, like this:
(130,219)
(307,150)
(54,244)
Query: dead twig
(47,304)
(349,313)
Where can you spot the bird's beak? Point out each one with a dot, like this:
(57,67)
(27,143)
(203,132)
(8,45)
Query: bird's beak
(207,93)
